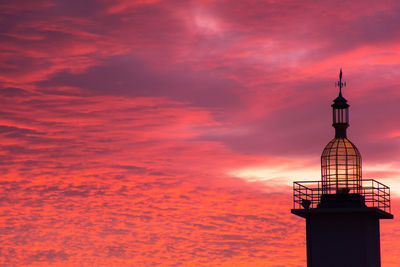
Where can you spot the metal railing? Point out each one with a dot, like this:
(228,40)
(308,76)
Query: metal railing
(375,193)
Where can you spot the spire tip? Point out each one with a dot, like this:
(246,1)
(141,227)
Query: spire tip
(339,83)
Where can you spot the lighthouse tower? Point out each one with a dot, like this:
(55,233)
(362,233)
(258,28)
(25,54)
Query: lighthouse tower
(342,211)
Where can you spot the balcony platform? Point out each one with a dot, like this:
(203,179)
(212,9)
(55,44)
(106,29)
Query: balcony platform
(372,198)
(362,210)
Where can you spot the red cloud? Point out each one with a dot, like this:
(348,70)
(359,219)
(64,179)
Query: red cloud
(121,123)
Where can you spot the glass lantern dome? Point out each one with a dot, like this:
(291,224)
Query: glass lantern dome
(341,167)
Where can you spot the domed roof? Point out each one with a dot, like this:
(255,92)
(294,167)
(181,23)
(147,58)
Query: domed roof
(341,166)
(340,147)
(340,102)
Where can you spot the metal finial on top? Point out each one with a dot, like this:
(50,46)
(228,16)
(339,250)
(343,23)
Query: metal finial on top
(340,83)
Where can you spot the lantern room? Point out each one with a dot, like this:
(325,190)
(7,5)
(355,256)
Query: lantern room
(341,167)
(340,159)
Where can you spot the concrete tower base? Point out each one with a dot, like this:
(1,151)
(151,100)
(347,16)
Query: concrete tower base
(342,235)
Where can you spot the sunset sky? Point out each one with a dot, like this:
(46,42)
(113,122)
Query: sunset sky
(168,133)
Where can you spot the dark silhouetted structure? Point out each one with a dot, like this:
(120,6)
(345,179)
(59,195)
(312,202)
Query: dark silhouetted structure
(342,211)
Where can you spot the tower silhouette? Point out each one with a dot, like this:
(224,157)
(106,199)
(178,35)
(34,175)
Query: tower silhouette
(342,211)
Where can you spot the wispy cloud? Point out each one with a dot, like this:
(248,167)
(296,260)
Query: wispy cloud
(167,132)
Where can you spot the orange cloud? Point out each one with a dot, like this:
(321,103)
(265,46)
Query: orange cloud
(166,133)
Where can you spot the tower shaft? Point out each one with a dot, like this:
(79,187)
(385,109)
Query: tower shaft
(343,238)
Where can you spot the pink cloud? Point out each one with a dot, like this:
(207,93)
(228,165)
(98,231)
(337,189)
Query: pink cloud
(122,123)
